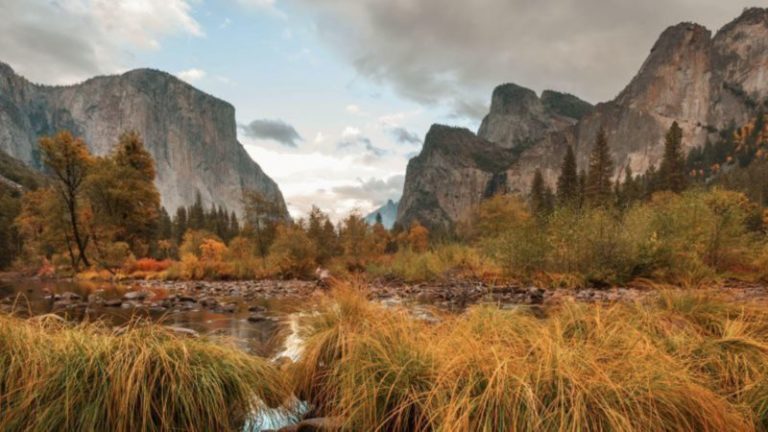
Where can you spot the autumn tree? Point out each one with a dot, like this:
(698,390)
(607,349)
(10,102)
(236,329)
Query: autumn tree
(321,231)
(568,180)
(293,253)
(68,160)
(355,240)
(123,196)
(598,183)
(672,172)
(418,237)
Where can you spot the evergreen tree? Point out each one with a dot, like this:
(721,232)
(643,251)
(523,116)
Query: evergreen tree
(650,181)
(581,196)
(180,224)
(196,214)
(164,225)
(568,181)
(672,170)
(541,196)
(261,219)
(378,219)
(598,185)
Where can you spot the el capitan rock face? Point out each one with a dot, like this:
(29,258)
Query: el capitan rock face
(191,135)
(704,83)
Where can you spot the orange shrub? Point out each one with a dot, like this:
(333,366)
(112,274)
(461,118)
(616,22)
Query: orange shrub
(150,265)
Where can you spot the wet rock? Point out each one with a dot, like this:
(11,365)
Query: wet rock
(183,331)
(256,318)
(535,295)
(129,304)
(228,308)
(136,295)
(186,298)
(68,296)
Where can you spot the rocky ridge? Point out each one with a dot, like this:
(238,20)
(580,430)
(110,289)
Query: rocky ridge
(706,83)
(191,135)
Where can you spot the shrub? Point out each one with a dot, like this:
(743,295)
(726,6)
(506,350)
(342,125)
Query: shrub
(293,254)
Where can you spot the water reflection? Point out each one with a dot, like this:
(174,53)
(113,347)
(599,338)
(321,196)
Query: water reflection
(35,297)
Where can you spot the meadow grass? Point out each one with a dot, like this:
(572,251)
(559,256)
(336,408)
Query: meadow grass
(675,362)
(56,376)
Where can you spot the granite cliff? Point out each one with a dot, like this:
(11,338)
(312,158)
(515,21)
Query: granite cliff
(706,83)
(191,134)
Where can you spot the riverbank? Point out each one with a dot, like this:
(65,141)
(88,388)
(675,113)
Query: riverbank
(372,357)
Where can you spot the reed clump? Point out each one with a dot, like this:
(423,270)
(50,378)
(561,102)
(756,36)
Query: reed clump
(56,376)
(676,362)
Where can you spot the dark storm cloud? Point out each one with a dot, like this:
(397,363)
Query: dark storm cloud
(275,130)
(357,141)
(404,136)
(455,51)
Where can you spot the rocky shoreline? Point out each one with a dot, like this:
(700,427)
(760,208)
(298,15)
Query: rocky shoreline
(228,297)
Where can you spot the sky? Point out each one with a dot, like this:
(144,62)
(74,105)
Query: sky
(333,97)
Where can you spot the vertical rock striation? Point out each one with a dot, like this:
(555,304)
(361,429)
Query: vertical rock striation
(191,135)
(706,83)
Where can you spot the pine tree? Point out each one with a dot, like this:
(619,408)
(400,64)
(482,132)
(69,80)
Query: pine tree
(379,218)
(581,196)
(164,225)
(541,196)
(598,186)
(568,181)
(650,181)
(196,214)
(180,224)
(672,170)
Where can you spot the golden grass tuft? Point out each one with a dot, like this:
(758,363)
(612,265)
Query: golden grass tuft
(54,376)
(679,362)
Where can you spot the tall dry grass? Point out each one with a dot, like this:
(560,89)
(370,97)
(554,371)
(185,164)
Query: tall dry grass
(54,376)
(680,362)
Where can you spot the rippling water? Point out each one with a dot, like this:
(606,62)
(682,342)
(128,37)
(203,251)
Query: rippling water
(265,338)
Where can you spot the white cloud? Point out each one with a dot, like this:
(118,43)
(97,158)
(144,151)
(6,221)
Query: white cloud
(453,52)
(353,109)
(350,132)
(191,75)
(66,41)
(319,138)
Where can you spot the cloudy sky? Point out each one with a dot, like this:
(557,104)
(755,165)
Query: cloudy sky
(334,96)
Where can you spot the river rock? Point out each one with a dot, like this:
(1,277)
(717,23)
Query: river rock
(136,295)
(183,331)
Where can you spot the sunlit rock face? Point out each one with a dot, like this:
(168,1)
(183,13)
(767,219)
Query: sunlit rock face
(706,83)
(191,134)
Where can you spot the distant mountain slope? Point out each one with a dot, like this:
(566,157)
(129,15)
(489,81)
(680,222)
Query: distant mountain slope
(16,175)
(191,135)
(388,214)
(705,83)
